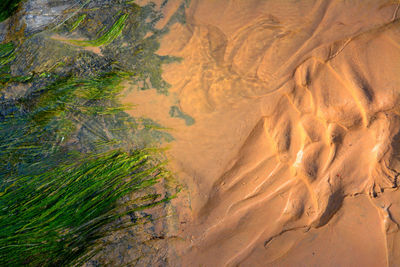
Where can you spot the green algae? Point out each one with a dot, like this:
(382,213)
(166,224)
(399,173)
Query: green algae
(55,218)
(77,22)
(7,54)
(70,152)
(109,36)
(7,8)
(56,198)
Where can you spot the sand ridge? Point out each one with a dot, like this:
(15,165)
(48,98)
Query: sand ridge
(297,131)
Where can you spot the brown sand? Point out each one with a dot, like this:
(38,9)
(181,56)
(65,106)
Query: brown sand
(294,157)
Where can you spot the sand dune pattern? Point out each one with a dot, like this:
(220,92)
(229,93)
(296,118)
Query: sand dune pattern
(327,73)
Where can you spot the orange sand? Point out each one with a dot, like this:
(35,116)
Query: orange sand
(295,154)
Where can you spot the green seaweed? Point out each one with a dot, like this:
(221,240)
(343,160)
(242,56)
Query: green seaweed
(6,53)
(56,218)
(7,8)
(77,22)
(56,199)
(42,118)
(106,38)
(74,163)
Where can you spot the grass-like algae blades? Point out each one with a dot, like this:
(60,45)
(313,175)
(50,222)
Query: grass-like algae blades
(77,22)
(107,37)
(67,166)
(57,217)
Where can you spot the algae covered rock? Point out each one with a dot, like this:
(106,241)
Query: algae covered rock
(77,169)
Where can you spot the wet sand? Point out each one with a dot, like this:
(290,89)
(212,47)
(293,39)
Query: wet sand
(294,156)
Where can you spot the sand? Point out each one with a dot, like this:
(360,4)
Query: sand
(294,156)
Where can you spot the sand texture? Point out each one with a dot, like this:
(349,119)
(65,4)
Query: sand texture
(288,140)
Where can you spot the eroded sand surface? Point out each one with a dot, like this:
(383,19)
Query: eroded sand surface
(294,156)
